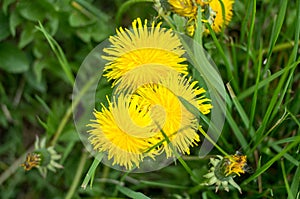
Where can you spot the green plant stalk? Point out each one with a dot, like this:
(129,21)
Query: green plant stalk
(237,132)
(287,156)
(70,109)
(104,175)
(81,9)
(266,81)
(296,182)
(271,107)
(254,98)
(14,166)
(240,110)
(159,184)
(61,126)
(115,193)
(260,139)
(77,176)
(215,144)
(91,171)
(244,27)
(276,31)
(287,187)
(227,64)
(246,72)
(92,9)
(182,162)
(58,53)
(292,59)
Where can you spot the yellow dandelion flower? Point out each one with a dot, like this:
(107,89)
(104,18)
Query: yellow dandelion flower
(32,160)
(236,164)
(217,177)
(179,124)
(42,158)
(134,53)
(123,131)
(185,8)
(217,13)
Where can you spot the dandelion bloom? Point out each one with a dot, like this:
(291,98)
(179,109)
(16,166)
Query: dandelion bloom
(178,123)
(42,158)
(123,131)
(185,8)
(219,22)
(142,55)
(235,164)
(217,175)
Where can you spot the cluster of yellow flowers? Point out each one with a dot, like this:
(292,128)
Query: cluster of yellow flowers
(217,13)
(145,116)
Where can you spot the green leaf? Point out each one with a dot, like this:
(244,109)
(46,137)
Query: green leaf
(27,35)
(132,194)
(77,19)
(4,30)
(5,5)
(14,20)
(32,10)
(13,59)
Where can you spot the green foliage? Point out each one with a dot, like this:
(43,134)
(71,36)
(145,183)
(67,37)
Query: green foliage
(44,42)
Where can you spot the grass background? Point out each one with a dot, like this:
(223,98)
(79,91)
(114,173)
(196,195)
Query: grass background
(258,58)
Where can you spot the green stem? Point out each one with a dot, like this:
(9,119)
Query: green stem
(215,144)
(91,172)
(77,176)
(246,75)
(182,162)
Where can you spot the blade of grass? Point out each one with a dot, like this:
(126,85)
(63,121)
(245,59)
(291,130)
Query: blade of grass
(266,81)
(295,183)
(254,98)
(237,132)
(91,172)
(252,10)
(228,66)
(92,9)
(77,176)
(259,140)
(58,53)
(287,156)
(276,31)
(271,108)
(159,184)
(244,26)
(132,194)
(266,166)
(292,59)
(240,110)
(287,187)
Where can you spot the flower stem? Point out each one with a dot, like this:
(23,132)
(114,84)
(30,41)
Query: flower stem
(209,139)
(77,176)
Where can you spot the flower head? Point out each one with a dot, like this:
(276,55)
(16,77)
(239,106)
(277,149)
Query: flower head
(42,158)
(32,160)
(174,119)
(185,8)
(123,131)
(219,17)
(235,164)
(134,53)
(224,169)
